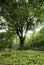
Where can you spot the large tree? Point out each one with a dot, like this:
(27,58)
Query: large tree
(21,15)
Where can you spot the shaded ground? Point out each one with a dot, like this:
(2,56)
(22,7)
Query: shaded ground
(16,57)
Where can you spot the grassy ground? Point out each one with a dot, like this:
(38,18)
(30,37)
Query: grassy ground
(23,57)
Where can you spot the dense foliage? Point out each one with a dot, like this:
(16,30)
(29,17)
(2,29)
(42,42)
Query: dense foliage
(21,15)
(36,41)
(17,17)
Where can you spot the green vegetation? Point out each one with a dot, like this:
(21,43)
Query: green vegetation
(17,17)
(21,16)
(36,41)
(29,57)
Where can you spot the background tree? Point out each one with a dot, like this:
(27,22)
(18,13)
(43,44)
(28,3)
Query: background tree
(21,15)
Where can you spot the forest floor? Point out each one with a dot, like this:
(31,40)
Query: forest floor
(21,57)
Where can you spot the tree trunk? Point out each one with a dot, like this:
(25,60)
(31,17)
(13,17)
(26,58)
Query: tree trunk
(22,39)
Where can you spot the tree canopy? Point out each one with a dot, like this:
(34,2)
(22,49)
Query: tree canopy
(22,15)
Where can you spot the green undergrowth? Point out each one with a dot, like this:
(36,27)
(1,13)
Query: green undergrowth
(21,57)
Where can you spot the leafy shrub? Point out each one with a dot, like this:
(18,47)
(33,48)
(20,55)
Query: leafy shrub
(36,41)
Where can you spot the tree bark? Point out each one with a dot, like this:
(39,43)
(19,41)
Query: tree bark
(22,39)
